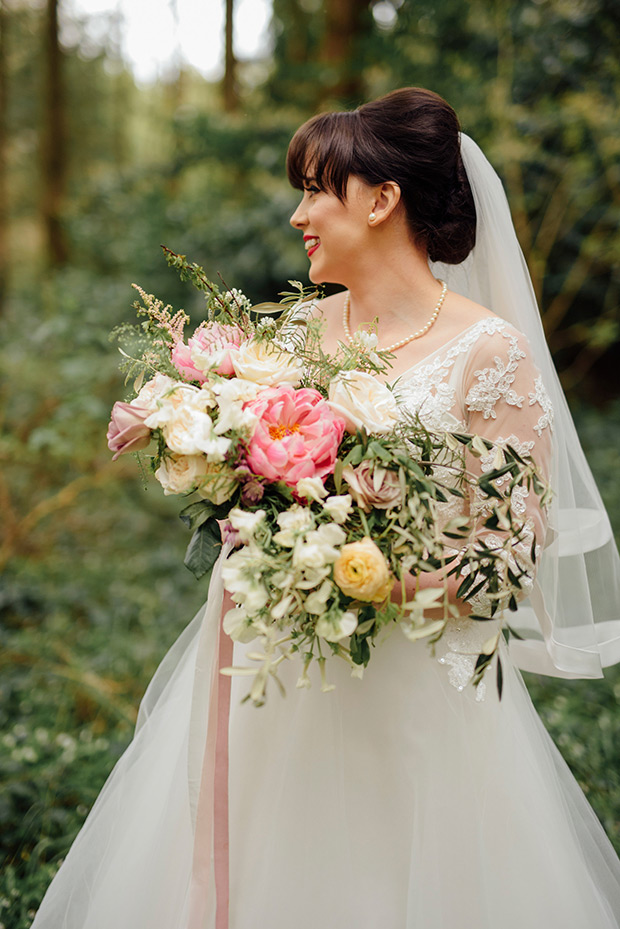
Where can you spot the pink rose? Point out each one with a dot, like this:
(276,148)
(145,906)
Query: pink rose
(127,432)
(373,486)
(208,349)
(297,435)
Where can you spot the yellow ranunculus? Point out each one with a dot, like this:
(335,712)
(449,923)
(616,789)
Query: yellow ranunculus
(362,572)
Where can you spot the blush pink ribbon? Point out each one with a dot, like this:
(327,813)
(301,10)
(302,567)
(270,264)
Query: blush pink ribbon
(211,838)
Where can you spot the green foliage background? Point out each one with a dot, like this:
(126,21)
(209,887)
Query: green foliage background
(92,590)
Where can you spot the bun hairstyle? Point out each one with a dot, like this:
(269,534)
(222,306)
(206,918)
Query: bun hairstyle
(409,136)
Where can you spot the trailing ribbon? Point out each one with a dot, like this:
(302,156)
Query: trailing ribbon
(210,803)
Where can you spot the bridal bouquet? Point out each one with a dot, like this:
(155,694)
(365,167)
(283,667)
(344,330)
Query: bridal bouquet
(332,500)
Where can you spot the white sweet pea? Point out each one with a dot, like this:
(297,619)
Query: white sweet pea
(265,364)
(318,548)
(231,395)
(245,523)
(166,405)
(315,601)
(338,507)
(363,402)
(239,577)
(312,488)
(292,522)
(336,629)
(236,625)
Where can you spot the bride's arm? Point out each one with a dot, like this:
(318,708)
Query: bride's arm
(506,403)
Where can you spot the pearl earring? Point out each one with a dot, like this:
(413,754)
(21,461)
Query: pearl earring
(372,217)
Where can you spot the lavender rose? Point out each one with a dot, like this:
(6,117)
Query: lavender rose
(373,486)
(127,432)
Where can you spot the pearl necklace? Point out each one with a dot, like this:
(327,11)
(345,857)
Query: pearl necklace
(415,335)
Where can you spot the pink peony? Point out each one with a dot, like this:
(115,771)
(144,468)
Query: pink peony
(127,432)
(208,349)
(297,435)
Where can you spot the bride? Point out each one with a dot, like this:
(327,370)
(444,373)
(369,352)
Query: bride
(411,799)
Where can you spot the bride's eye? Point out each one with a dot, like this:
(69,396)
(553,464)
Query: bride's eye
(312,189)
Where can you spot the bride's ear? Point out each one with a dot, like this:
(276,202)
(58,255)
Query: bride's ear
(387,198)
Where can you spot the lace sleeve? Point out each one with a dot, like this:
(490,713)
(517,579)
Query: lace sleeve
(505,401)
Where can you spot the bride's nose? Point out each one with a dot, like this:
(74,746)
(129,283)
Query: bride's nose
(298,219)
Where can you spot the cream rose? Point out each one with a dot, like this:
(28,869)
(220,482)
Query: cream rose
(363,402)
(180,474)
(265,364)
(362,572)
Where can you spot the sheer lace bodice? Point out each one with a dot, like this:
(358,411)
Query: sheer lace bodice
(483,382)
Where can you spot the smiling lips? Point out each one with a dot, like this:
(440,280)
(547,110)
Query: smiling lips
(311,243)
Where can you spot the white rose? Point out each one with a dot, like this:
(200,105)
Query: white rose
(155,390)
(335,629)
(236,625)
(363,402)
(245,523)
(179,474)
(217,484)
(263,363)
(312,488)
(338,507)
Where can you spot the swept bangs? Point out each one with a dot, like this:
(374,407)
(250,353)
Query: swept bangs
(322,151)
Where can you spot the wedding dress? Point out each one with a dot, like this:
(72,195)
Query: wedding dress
(406,800)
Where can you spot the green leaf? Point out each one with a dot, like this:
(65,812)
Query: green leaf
(360,650)
(204,548)
(197,513)
(500,678)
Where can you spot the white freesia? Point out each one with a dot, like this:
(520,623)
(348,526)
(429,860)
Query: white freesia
(265,364)
(338,507)
(312,488)
(363,402)
(236,625)
(245,523)
(180,474)
(292,522)
(336,629)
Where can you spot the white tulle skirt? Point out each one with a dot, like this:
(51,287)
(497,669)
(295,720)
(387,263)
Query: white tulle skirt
(395,801)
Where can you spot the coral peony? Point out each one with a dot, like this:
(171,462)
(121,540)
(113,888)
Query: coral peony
(297,435)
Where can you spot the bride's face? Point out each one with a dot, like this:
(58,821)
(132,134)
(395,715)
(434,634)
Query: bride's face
(335,232)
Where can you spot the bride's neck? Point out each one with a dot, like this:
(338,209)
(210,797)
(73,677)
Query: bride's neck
(398,288)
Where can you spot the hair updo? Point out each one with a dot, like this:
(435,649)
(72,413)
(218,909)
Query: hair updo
(411,137)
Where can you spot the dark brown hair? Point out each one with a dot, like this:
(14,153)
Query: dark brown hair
(411,137)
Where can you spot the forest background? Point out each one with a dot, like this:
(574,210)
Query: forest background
(96,170)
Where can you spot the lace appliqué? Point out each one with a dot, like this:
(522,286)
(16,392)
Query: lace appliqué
(540,396)
(425,392)
(481,503)
(464,639)
(496,383)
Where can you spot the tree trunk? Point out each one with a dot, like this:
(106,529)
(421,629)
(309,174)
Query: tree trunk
(344,23)
(229,86)
(4,189)
(54,163)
